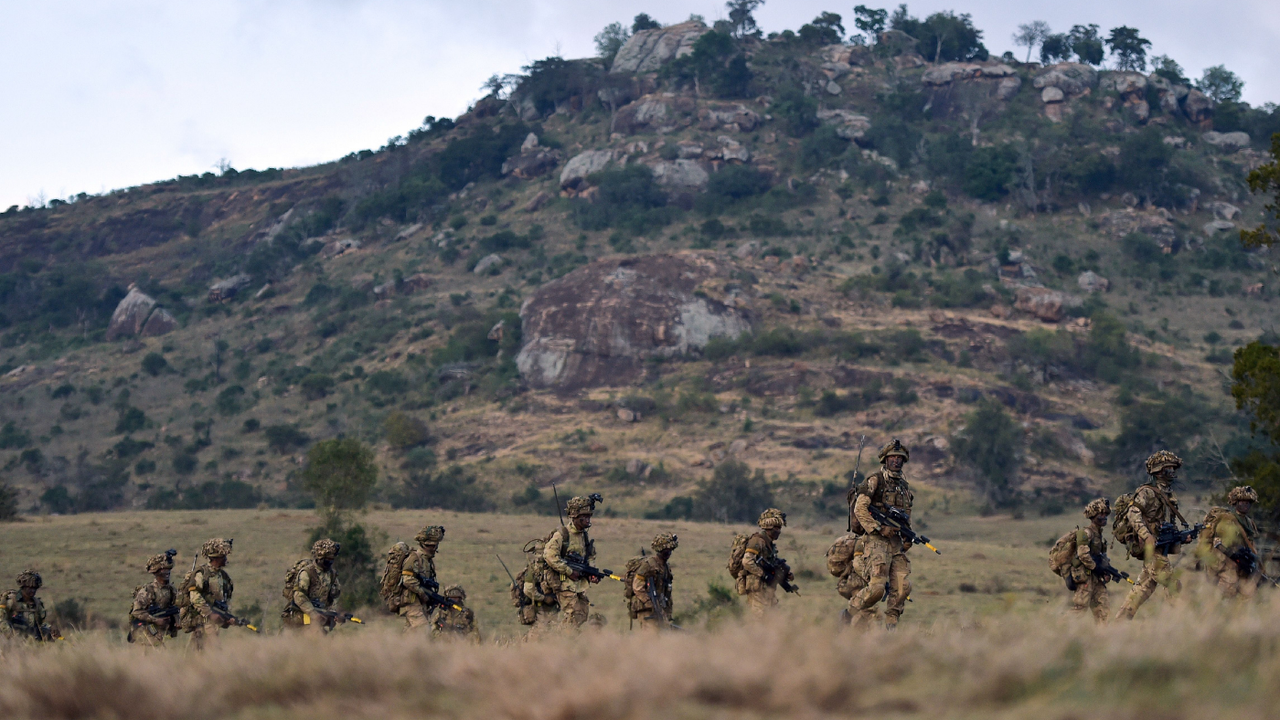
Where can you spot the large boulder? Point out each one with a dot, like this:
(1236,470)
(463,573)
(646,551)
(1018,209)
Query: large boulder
(583,164)
(680,174)
(1228,140)
(600,323)
(735,116)
(1125,83)
(224,290)
(1071,78)
(947,73)
(648,50)
(160,323)
(130,315)
(849,124)
(1047,305)
(1198,108)
(969,90)
(656,112)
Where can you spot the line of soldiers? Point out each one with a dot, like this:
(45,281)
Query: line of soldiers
(1151,527)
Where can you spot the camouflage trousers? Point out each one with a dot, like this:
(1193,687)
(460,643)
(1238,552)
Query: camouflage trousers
(1224,573)
(545,622)
(147,635)
(886,569)
(574,609)
(293,620)
(416,616)
(204,634)
(761,597)
(1091,594)
(1156,571)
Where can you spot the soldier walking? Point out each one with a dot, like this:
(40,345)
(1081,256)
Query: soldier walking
(315,590)
(884,556)
(652,581)
(1091,593)
(417,577)
(762,571)
(572,538)
(153,615)
(208,594)
(1153,505)
(1227,548)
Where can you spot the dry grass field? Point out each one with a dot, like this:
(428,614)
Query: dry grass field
(989,566)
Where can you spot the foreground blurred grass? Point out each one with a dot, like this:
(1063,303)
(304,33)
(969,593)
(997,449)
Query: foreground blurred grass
(1195,660)
(990,565)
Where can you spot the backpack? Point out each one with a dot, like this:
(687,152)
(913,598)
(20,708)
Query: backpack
(291,579)
(389,586)
(1120,527)
(1062,552)
(735,555)
(840,555)
(182,592)
(633,565)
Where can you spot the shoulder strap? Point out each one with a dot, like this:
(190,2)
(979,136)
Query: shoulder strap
(1167,502)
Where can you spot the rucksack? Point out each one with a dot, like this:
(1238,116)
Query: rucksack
(735,555)
(291,579)
(389,586)
(182,593)
(1120,527)
(1062,552)
(629,576)
(840,555)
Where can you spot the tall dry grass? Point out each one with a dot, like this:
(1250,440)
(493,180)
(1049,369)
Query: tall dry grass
(1196,658)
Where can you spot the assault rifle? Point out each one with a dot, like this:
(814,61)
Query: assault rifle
(1103,569)
(515,587)
(334,616)
(1245,559)
(900,521)
(156,611)
(43,633)
(659,607)
(219,608)
(579,564)
(778,567)
(1170,538)
(431,593)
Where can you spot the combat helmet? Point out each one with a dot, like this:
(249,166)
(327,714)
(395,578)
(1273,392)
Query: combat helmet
(1162,459)
(894,447)
(430,535)
(30,579)
(1096,507)
(582,505)
(772,518)
(1242,493)
(325,548)
(455,592)
(217,547)
(665,541)
(163,561)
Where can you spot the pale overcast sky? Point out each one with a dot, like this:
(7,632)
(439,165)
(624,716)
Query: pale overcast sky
(102,94)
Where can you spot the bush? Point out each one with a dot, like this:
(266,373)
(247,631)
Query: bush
(316,386)
(991,445)
(387,382)
(989,172)
(283,438)
(131,419)
(797,111)
(629,199)
(733,184)
(715,66)
(339,474)
(405,432)
(8,503)
(154,364)
(228,402)
(1167,422)
(451,489)
(12,437)
(226,494)
(733,494)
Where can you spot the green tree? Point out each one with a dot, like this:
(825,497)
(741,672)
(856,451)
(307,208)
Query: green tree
(826,29)
(1263,180)
(1169,69)
(8,503)
(154,364)
(798,112)
(1220,84)
(339,475)
(1055,48)
(1086,43)
(644,22)
(733,494)
(1031,34)
(991,445)
(742,18)
(942,35)
(1144,157)
(870,21)
(610,40)
(404,431)
(1128,48)
(1256,389)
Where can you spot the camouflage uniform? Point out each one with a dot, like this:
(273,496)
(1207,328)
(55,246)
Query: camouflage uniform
(884,558)
(451,623)
(1091,592)
(572,594)
(1153,505)
(762,595)
(538,583)
(24,616)
(316,587)
(420,565)
(208,585)
(147,629)
(655,571)
(1228,530)
(848,555)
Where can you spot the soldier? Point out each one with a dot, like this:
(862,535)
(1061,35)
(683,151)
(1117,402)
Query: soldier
(538,582)
(573,538)
(1227,550)
(209,595)
(24,614)
(418,578)
(762,572)
(315,591)
(1090,587)
(1153,505)
(450,623)
(884,558)
(652,579)
(153,616)
(845,562)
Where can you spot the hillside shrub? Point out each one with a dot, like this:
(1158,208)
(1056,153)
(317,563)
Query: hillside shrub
(451,489)
(629,199)
(991,445)
(284,438)
(404,431)
(733,494)
(8,503)
(797,111)
(228,494)
(339,474)
(730,186)
(716,67)
(12,437)
(154,364)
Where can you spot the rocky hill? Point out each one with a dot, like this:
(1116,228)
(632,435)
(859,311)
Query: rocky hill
(633,273)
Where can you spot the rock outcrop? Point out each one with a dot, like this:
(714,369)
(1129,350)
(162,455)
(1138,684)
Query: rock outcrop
(138,314)
(1198,108)
(849,125)
(1091,282)
(681,174)
(648,50)
(969,89)
(533,160)
(1227,141)
(735,116)
(1071,78)
(598,324)
(224,290)
(586,163)
(1047,305)
(657,112)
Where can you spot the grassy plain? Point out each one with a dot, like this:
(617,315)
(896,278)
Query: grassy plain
(989,566)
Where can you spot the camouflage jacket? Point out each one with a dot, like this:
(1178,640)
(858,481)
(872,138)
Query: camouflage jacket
(452,623)
(1151,508)
(21,617)
(565,540)
(316,585)
(153,595)
(1226,532)
(883,490)
(1089,542)
(654,569)
(417,565)
(209,585)
(759,548)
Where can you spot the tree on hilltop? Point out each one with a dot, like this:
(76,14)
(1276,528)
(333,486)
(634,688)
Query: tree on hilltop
(644,22)
(610,40)
(1128,48)
(1220,84)
(870,21)
(741,17)
(1031,34)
